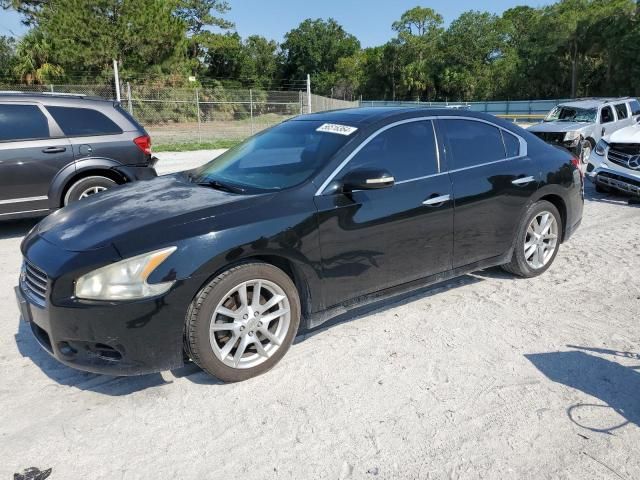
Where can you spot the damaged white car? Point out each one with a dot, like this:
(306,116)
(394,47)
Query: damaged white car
(615,162)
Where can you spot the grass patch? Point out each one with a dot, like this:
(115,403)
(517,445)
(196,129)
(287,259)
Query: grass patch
(190,146)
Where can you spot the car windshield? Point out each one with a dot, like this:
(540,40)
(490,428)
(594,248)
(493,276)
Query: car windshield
(571,114)
(279,158)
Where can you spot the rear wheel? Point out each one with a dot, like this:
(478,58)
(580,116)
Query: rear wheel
(537,241)
(86,187)
(243,322)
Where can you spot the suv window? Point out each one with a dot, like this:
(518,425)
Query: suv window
(635,107)
(76,122)
(22,122)
(408,151)
(473,143)
(606,115)
(621,110)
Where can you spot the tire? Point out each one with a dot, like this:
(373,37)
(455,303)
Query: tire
(523,264)
(86,187)
(210,350)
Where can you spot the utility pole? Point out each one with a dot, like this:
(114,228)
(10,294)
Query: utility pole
(116,79)
(308,93)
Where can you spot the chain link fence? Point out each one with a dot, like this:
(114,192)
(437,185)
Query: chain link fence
(200,114)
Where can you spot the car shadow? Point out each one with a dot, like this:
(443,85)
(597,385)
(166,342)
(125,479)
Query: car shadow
(617,386)
(16,228)
(612,198)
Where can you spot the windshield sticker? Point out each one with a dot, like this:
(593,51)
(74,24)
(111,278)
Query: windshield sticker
(335,128)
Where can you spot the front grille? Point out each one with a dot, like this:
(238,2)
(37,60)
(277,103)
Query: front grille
(551,137)
(620,153)
(619,182)
(35,282)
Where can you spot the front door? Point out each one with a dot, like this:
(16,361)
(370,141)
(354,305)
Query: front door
(29,158)
(493,180)
(375,239)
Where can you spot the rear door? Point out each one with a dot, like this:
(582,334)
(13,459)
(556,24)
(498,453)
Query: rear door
(623,115)
(493,179)
(375,239)
(29,157)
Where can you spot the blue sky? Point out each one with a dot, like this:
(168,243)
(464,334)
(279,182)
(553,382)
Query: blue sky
(369,20)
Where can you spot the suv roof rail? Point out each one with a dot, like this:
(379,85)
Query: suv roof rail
(49,94)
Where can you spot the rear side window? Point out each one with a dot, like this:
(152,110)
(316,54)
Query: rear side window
(621,110)
(635,107)
(22,122)
(76,122)
(606,115)
(512,144)
(473,143)
(408,151)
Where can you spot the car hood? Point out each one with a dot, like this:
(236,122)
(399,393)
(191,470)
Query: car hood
(629,134)
(554,127)
(136,214)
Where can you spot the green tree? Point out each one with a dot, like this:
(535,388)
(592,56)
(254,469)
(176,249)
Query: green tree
(34,62)
(7,58)
(314,48)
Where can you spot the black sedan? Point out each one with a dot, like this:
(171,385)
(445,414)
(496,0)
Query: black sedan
(223,265)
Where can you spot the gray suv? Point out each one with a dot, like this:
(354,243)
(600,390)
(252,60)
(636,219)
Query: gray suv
(580,124)
(58,148)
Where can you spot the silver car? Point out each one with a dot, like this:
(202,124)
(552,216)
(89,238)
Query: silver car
(580,124)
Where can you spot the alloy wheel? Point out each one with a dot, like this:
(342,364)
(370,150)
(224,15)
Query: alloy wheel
(91,191)
(541,240)
(250,324)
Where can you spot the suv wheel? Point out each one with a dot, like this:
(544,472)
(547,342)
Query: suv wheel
(537,241)
(86,187)
(243,322)
(585,151)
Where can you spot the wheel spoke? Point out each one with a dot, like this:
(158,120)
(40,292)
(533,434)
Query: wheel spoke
(270,336)
(244,342)
(255,301)
(539,256)
(277,314)
(228,347)
(530,251)
(272,301)
(242,293)
(219,327)
(226,312)
(260,349)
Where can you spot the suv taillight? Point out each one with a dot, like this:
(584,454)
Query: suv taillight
(143,143)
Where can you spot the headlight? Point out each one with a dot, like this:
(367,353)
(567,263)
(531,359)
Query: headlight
(569,136)
(601,148)
(125,280)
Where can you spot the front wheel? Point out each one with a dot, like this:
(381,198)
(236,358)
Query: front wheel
(585,151)
(243,322)
(537,241)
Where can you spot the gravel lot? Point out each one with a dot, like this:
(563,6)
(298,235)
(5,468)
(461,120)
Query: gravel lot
(485,377)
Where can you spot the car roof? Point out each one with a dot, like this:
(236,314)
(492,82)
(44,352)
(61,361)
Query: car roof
(592,102)
(363,116)
(43,97)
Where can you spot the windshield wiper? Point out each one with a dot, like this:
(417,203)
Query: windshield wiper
(225,187)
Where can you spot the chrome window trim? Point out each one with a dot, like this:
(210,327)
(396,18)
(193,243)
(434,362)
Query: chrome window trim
(339,168)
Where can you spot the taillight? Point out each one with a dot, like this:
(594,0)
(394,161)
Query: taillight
(143,143)
(575,161)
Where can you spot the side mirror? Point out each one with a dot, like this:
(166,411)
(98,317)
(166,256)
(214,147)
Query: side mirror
(367,179)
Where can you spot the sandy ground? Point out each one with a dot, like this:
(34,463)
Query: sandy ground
(485,377)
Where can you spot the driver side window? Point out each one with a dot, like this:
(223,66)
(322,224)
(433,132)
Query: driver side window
(606,115)
(407,151)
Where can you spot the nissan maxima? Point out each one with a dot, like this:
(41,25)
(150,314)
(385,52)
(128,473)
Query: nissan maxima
(223,265)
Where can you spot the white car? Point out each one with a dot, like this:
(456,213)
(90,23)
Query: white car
(615,162)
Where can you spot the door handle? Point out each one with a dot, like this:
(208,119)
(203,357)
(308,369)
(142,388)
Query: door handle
(54,150)
(523,180)
(437,200)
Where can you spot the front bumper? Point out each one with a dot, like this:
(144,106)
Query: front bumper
(129,338)
(614,178)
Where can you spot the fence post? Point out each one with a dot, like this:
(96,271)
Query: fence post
(251,108)
(198,111)
(301,100)
(116,79)
(129,98)
(309,93)
(51,87)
